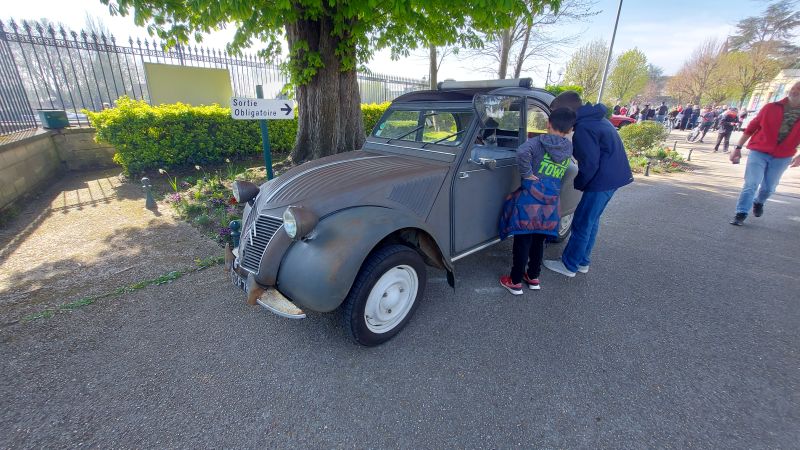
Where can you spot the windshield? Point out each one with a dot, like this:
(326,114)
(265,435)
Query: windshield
(440,127)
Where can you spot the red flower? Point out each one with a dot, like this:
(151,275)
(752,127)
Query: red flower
(232,201)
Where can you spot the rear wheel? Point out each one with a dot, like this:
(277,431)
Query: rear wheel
(384,295)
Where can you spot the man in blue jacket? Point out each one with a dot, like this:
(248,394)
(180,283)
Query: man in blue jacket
(602,168)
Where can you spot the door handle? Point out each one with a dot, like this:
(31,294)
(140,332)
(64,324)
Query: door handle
(463,175)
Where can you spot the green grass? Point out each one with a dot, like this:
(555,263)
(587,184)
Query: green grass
(200,264)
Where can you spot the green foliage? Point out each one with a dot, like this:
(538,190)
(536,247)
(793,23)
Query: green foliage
(354,30)
(639,137)
(585,67)
(556,89)
(178,135)
(629,76)
(371,113)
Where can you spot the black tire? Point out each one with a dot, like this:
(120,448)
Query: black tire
(379,263)
(623,124)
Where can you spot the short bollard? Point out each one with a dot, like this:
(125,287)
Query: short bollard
(149,202)
(235,226)
(647,169)
(674,145)
(689,158)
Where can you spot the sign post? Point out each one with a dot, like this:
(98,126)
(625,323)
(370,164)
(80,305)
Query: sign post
(262,109)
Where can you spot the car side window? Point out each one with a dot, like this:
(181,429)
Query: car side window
(537,120)
(399,125)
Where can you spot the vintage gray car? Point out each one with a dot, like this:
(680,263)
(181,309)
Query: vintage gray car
(355,231)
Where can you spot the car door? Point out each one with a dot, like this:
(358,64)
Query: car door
(486,174)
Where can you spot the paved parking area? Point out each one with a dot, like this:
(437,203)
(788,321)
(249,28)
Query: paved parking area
(684,333)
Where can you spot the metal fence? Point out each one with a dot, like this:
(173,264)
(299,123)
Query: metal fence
(48,67)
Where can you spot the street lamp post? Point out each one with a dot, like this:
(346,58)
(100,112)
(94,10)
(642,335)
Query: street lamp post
(610,51)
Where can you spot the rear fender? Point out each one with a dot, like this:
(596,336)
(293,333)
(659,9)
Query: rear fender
(317,273)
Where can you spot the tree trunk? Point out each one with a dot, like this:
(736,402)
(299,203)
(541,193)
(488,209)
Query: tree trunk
(505,48)
(433,67)
(329,105)
(521,57)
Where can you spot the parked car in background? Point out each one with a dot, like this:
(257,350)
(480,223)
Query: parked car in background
(355,231)
(620,121)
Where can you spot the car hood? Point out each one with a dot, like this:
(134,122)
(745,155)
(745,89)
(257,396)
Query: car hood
(354,179)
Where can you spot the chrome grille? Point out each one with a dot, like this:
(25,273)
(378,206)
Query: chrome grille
(255,239)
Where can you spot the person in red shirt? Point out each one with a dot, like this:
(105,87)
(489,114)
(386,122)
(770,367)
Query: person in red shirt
(774,136)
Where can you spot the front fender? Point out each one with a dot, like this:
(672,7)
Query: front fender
(317,273)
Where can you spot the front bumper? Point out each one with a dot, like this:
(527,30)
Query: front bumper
(266,296)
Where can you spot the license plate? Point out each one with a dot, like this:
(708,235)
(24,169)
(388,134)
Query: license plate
(238,281)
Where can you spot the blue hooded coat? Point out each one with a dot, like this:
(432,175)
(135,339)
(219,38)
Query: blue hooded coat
(533,208)
(602,162)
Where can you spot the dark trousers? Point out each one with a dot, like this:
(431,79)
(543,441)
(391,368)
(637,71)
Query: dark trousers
(726,135)
(705,127)
(528,249)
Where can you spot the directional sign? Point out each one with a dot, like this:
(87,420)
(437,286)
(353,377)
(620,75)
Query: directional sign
(261,109)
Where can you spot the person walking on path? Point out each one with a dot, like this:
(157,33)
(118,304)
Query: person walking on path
(687,116)
(774,135)
(530,213)
(727,123)
(706,122)
(602,169)
(661,113)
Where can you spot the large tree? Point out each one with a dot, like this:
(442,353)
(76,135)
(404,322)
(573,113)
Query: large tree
(746,70)
(510,51)
(629,76)
(585,67)
(772,32)
(698,73)
(327,40)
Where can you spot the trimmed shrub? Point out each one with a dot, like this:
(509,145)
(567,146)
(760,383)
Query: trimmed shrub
(556,89)
(371,113)
(175,135)
(640,137)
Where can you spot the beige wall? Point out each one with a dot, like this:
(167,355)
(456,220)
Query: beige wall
(774,90)
(29,163)
(193,85)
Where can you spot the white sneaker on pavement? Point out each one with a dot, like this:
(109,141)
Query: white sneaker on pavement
(557,266)
(583,269)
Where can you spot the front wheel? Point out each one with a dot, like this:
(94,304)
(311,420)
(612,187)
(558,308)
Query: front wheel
(384,295)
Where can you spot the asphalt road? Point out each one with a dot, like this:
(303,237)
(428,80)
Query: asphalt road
(683,334)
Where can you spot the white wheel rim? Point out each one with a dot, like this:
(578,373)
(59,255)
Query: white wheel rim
(564,224)
(391,298)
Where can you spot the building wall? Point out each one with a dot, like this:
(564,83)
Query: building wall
(774,90)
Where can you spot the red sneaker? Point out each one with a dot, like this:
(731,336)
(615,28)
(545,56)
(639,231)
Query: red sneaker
(506,282)
(533,283)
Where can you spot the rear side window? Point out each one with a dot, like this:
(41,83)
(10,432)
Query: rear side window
(429,126)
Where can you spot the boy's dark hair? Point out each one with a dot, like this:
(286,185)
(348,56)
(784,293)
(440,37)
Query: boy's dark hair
(562,119)
(567,99)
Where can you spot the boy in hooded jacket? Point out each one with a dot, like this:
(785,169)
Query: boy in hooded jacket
(530,213)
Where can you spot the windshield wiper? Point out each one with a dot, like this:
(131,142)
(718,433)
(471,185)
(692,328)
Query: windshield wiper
(412,131)
(444,138)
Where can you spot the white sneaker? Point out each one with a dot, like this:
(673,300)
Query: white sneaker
(557,266)
(583,269)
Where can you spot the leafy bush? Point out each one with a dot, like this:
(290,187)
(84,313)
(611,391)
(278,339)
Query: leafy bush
(556,89)
(639,137)
(176,135)
(371,113)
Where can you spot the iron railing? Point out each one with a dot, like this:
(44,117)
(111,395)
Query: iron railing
(51,67)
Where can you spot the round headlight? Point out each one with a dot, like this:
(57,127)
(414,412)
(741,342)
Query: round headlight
(244,191)
(290,223)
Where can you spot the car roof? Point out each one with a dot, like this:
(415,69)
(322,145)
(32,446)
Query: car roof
(467,94)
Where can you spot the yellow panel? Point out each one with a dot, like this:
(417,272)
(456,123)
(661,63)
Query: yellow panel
(194,85)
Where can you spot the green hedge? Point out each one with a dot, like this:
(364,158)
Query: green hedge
(175,135)
(639,137)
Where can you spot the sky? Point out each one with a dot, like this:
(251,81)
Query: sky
(666,31)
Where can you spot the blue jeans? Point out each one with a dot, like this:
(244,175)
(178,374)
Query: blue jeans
(585,224)
(763,172)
